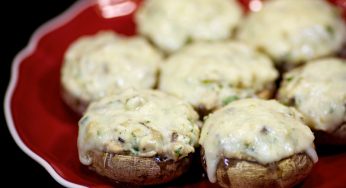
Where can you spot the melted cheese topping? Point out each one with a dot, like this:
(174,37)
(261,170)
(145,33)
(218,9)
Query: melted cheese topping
(254,130)
(213,74)
(97,65)
(172,23)
(295,30)
(142,123)
(318,90)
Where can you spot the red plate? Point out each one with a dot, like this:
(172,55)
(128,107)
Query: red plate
(46,129)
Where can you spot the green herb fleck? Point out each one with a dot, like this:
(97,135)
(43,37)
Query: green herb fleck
(289,78)
(331,110)
(249,146)
(208,81)
(189,40)
(230,99)
(178,151)
(135,150)
(133,135)
(330,30)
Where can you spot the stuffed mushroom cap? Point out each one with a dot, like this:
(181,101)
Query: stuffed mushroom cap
(254,130)
(170,24)
(106,62)
(295,31)
(211,75)
(142,123)
(318,91)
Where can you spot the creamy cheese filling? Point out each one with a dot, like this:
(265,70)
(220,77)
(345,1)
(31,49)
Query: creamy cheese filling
(142,123)
(295,30)
(172,23)
(318,90)
(95,66)
(214,74)
(254,130)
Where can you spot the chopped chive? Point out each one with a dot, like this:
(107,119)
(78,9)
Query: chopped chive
(230,99)
(330,30)
(189,40)
(249,146)
(290,78)
(208,81)
(135,150)
(178,151)
(133,135)
(331,110)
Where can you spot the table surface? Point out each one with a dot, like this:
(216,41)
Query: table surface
(16,35)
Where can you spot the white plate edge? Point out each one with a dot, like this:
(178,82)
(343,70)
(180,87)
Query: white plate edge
(44,29)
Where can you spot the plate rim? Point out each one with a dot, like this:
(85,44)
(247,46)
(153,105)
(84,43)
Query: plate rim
(47,27)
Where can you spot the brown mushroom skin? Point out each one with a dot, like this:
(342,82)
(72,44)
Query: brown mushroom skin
(288,172)
(136,170)
(337,137)
(267,93)
(76,104)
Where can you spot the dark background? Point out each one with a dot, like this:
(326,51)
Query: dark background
(19,19)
